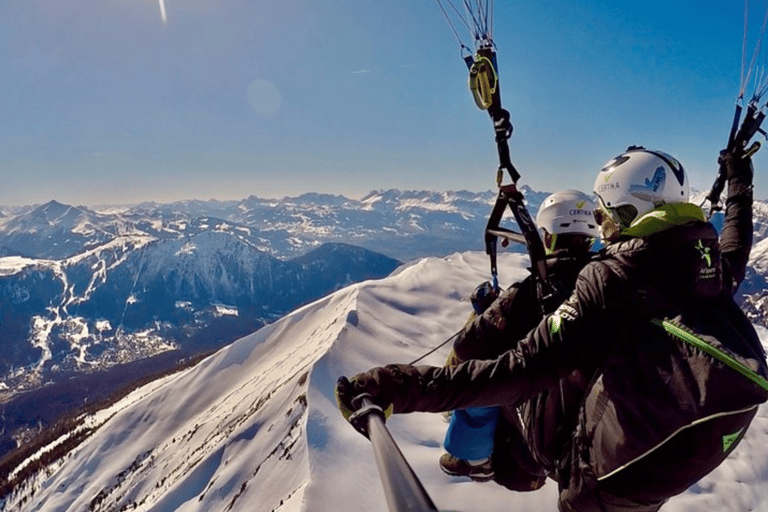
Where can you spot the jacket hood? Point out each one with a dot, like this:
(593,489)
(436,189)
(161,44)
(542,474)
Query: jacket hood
(678,253)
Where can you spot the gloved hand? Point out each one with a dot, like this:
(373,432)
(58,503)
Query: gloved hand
(483,296)
(737,166)
(351,392)
(739,173)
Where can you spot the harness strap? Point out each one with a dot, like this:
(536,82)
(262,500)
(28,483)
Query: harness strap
(484,84)
(690,338)
(510,197)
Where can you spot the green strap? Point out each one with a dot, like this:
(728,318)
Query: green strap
(721,356)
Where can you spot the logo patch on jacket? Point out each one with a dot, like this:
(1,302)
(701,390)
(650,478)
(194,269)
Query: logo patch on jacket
(566,311)
(730,439)
(555,324)
(704,253)
(708,272)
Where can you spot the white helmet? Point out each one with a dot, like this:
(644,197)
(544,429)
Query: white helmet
(568,211)
(641,178)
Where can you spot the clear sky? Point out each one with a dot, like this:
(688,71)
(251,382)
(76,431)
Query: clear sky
(105,102)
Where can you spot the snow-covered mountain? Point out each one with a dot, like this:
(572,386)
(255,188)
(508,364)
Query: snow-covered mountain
(146,302)
(143,293)
(137,289)
(86,289)
(403,225)
(56,231)
(254,427)
(82,289)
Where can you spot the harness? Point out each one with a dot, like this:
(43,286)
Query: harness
(484,85)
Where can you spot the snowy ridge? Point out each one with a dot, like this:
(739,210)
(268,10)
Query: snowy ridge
(218,433)
(255,426)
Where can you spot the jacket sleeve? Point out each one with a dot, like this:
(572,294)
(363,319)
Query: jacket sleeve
(736,237)
(557,346)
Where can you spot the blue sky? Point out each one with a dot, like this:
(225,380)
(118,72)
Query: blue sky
(104,102)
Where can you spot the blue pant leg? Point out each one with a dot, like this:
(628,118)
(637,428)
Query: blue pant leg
(470,433)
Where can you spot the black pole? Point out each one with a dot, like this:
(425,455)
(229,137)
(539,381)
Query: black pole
(402,487)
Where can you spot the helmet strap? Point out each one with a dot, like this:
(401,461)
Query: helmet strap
(549,242)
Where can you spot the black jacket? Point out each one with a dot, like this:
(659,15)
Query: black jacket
(641,401)
(509,318)
(516,311)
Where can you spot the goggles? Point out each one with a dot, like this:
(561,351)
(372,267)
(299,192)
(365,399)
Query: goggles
(572,241)
(613,220)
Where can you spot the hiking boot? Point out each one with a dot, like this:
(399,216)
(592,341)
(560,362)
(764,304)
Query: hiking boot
(479,472)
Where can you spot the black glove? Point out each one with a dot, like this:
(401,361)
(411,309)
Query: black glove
(351,392)
(482,297)
(738,167)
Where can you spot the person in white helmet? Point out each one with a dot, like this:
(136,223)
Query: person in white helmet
(568,230)
(661,370)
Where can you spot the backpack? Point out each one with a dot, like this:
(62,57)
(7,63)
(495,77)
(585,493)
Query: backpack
(669,409)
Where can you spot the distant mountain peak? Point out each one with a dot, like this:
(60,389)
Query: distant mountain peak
(319,198)
(52,210)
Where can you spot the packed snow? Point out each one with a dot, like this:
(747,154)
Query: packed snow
(11,265)
(255,427)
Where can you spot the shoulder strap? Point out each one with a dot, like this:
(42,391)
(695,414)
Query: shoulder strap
(680,333)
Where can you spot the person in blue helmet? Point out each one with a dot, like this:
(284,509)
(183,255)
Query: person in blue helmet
(661,372)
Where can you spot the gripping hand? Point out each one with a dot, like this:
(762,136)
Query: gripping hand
(737,165)
(351,395)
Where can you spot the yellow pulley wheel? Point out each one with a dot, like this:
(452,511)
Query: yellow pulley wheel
(483,81)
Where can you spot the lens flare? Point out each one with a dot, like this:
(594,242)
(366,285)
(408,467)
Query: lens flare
(162,11)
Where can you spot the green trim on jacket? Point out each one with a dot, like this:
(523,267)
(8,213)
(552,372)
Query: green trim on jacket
(664,217)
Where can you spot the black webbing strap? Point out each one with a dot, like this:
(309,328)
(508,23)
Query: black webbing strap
(487,93)
(510,197)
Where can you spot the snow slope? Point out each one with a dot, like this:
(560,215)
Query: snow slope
(255,427)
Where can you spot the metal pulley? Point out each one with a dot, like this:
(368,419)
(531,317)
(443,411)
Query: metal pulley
(483,81)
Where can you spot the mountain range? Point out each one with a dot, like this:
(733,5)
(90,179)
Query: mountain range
(86,288)
(407,224)
(92,298)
